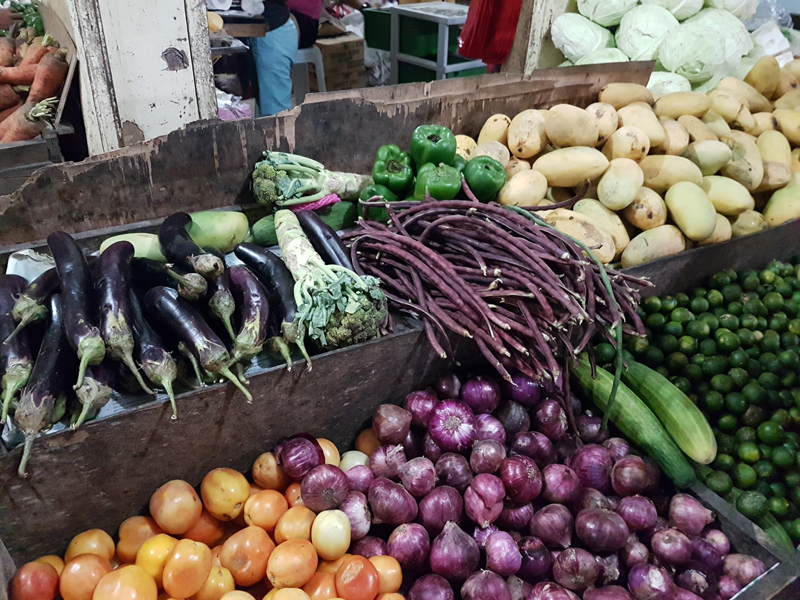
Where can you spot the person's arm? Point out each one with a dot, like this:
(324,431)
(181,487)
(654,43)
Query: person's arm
(7,18)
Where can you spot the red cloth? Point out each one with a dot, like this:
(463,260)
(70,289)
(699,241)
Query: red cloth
(311,8)
(489,31)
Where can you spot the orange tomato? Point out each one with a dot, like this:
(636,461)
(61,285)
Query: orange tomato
(357,579)
(331,566)
(54,561)
(81,576)
(330,451)
(132,534)
(94,541)
(176,507)
(367,442)
(187,568)
(237,595)
(215,552)
(321,586)
(265,508)
(287,594)
(390,573)
(207,530)
(268,475)
(295,524)
(293,495)
(34,581)
(246,554)
(224,493)
(153,555)
(292,564)
(126,583)
(219,582)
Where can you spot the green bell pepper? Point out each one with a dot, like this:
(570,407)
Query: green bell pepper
(432,144)
(459,162)
(485,177)
(443,182)
(393,169)
(376,213)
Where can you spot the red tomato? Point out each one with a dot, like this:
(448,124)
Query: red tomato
(81,576)
(357,579)
(246,554)
(132,534)
(34,581)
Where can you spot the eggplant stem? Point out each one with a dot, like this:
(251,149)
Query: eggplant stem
(128,361)
(13,381)
(82,370)
(26,453)
(279,345)
(167,385)
(240,373)
(301,334)
(91,351)
(235,381)
(193,361)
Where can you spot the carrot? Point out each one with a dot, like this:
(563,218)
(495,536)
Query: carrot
(37,49)
(8,51)
(18,75)
(4,114)
(8,97)
(27,122)
(50,75)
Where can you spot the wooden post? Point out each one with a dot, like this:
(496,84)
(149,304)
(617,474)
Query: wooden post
(533,48)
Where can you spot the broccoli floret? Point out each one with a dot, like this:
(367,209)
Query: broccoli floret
(345,329)
(267,183)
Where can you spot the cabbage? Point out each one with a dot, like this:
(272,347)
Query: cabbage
(643,29)
(741,9)
(605,12)
(605,55)
(737,38)
(693,51)
(681,9)
(576,36)
(664,82)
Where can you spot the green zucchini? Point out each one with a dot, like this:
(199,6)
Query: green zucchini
(634,420)
(679,415)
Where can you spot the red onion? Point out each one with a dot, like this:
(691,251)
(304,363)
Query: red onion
(489,428)
(617,448)
(514,418)
(590,429)
(728,587)
(430,450)
(551,420)
(521,478)
(601,530)
(610,592)
(592,464)
(409,545)
(706,554)
(566,447)
(536,559)
(519,588)
(391,503)
(453,470)
(413,445)
(744,569)
(369,546)
(629,476)
(575,569)
(719,540)
(454,554)
(391,424)
(452,426)
(692,580)
(386,461)
(609,568)
(647,534)
(561,484)
(648,582)
(360,478)
(614,502)
(431,587)
(443,504)
(481,395)
(522,389)
(534,445)
(591,498)
(553,525)
(635,553)
(638,512)
(502,554)
(486,456)
(324,488)
(480,535)
(688,515)
(448,386)
(483,499)
(515,518)
(682,594)
(485,585)
(420,404)
(672,547)
(299,454)
(418,476)
(356,508)
(551,591)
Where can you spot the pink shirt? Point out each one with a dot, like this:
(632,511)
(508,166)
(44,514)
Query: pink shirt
(310,8)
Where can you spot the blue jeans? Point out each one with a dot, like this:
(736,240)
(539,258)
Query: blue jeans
(274,55)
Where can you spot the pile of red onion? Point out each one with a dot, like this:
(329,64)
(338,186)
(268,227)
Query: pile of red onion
(482,491)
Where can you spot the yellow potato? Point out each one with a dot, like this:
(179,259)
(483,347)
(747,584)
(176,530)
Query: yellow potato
(526,188)
(495,130)
(662,172)
(677,104)
(607,120)
(731,109)
(708,155)
(784,205)
(526,134)
(620,183)
(789,101)
(568,167)
(691,210)
(495,150)
(698,131)
(568,126)
(653,244)
(765,75)
(627,142)
(722,232)
(788,82)
(643,117)
(776,155)
(622,94)
(795,166)
(788,124)
(754,100)
(465,145)
(750,221)
(716,123)
(585,230)
(764,121)
(729,197)
(677,139)
(607,220)
(515,165)
(647,211)
(745,166)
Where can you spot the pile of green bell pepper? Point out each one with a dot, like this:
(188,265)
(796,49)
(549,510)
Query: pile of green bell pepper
(30,15)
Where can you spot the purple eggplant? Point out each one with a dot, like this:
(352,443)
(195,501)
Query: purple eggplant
(96,390)
(183,321)
(16,353)
(78,305)
(253,301)
(31,304)
(150,273)
(221,302)
(178,248)
(324,239)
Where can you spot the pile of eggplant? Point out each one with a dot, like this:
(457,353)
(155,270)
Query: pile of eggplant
(92,327)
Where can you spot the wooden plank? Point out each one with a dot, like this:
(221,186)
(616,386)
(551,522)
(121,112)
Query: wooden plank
(202,65)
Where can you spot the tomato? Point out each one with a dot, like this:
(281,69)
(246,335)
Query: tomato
(81,575)
(330,451)
(367,442)
(176,507)
(267,473)
(54,561)
(293,495)
(390,573)
(391,596)
(153,555)
(287,594)
(246,554)
(357,579)
(224,493)
(237,595)
(322,586)
(187,568)
(330,534)
(94,541)
(215,552)
(219,582)
(207,530)
(331,566)
(292,564)
(126,583)
(294,524)
(34,581)
(265,508)
(132,534)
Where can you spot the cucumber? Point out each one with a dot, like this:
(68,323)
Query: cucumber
(634,420)
(679,415)
(339,215)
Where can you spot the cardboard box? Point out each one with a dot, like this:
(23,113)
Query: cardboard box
(343,60)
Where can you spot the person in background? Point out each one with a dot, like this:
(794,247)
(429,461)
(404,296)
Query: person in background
(274,55)
(306,13)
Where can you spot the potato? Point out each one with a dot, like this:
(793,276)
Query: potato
(465,145)
(788,101)
(787,83)
(495,130)
(745,166)
(784,205)
(795,161)
(662,172)
(677,137)
(645,119)
(627,142)
(716,123)
(647,210)
(677,104)
(653,244)
(776,155)
(794,68)
(607,220)
(526,134)
(691,210)
(568,126)
(764,121)
(729,197)
(622,94)
(750,96)
(709,155)
(731,109)
(788,124)
(765,75)
(698,131)
(620,183)
(569,167)
(584,230)
(526,188)
(515,165)
(750,221)
(607,120)
(495,150)
(722,233)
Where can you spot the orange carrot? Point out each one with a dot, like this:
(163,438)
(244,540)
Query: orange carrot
(18,75)
(8,97)
(8,51)
(36,50)
(27,121)
(4,114)
(19,112)
(50,75)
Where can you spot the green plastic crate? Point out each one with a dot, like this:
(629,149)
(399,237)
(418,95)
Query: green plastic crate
(417,38)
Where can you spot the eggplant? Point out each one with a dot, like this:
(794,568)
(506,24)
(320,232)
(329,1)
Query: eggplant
(184,322)
(178,248)
(16,353)
(221,303)
(253,301)
(31,304)
(151,273)
(43,401)
(97,388)
(324,239)
(112,285)
(156,361)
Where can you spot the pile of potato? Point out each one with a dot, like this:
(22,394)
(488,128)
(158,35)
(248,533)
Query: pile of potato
(688,169)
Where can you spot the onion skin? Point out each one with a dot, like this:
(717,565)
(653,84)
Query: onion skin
(502,554)
(592,464)
(299,454)
(386,461)
(553,525)
(430,450)
(515,418)
(369,546)
(521,478)
(638,512)
(536,559)
(418,476)
(391,424)
(706,554)
(523,390)
(443,504)
(486,456)
(410,545)
(452,426)
(420,405)
(561,484)
(546,590)
(629,476)
(590,429)
(672,547)
(480,535)
(719,540)
(591,498)
(391,503)
(515,518)
(610,592)
(728,587)
(324,488)
(454,470)
(448,386)
(694,581)
(481,395)
(488,427)
(360,478)
(356,507)
(431,587)
(688,515)
(454,554)
(483,499)
(617,448)
(534,445)
(635,554)
(485,585)
(648,582)
(575,569)
(551,420)
(519,588)
(601,530)
(744,569)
